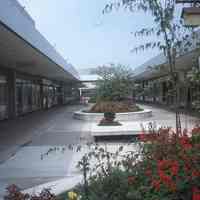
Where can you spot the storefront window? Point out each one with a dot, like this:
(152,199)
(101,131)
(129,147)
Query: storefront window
(28,96)
(3,98)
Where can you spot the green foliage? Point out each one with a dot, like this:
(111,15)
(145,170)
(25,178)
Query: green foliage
(93,99)
(112,187)
(162,165)
(193,81)
(109,115)
(115,83)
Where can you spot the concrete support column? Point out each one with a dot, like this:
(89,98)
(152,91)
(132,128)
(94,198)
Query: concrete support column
(41,96)
(143,86)
(61,90)
(12,109)
(67,92)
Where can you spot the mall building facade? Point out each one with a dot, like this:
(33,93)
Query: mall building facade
(153,82)
(33,75)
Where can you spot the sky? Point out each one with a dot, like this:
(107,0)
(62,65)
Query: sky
(86,37)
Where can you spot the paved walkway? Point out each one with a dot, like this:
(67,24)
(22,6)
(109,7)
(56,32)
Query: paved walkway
(24,141)
(50,127)
(167,118)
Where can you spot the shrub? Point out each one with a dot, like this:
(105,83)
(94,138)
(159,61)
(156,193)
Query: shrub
(115,82)
(93,99)
(109,116)
(165,166)
(14,193)
(116,107)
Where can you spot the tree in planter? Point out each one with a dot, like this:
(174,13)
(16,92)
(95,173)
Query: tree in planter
(114,89)
(115,82)
(172,37)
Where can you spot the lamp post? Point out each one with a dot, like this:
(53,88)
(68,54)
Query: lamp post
(191,14)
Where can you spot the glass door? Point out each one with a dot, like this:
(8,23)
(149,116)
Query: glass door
(19,96)
(3,98)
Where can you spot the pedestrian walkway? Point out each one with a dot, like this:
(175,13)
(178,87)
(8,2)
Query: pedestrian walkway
(54,126)
(166,118)
(24,140)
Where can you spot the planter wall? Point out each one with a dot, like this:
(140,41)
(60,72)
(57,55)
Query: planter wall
(129,116)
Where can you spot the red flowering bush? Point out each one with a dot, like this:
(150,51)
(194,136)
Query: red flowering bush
(165,167)
(170,166)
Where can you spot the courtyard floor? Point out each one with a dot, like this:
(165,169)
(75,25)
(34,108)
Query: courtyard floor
(24,141)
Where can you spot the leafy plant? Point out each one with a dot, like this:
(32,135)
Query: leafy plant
(162,165)
(110,116)
(14,193)
(116,107)
(115,82)
(193,81)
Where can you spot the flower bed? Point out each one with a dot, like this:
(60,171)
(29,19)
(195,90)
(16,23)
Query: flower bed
(108,120)
(114,106)
(166,167)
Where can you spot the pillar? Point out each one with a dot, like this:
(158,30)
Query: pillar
(12,101)
(41,95)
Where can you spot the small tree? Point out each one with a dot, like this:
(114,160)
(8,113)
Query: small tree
(172,37)
(115,82)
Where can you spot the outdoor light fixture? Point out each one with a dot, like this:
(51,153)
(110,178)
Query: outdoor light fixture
(188,1)
(191,16)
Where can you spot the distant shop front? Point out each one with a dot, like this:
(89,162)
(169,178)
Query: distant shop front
(21,93)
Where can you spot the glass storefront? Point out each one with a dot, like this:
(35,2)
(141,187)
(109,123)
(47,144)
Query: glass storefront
(28,96)
(31,95)
(36,97)
(3,98)
(51,96)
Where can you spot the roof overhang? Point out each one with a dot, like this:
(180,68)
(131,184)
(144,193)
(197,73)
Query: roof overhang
(18,54)
(183,63)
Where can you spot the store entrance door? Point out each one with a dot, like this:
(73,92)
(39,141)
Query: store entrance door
(3,98)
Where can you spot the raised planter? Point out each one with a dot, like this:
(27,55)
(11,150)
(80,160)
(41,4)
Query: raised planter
(128,116)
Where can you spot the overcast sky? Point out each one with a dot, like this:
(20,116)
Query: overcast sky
(86,37)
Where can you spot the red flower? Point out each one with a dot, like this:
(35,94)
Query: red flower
(171,165)
(148,172)
(185,142)
(131,180)
(174,168)
(195,173)
(165,178)
(156,184)
(195,190)
(187,167)
(163,164)
(196,130)
(142,137)
(196,193)
(196,197)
